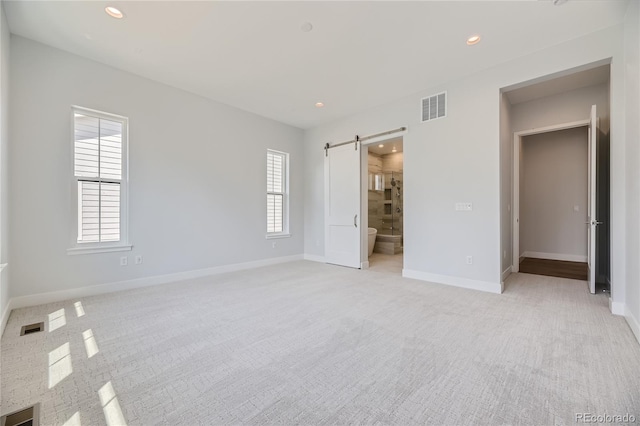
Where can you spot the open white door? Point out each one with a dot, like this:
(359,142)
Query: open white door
(592,221)
(342,205)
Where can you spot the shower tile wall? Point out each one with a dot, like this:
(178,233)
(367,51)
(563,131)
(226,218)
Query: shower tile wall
(375,197)
(393,163)
(384,165)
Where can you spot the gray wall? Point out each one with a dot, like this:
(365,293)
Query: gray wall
(197,175)
(4,163)
(555,173)
(457,159)
(375,198)
(506,185)
(574,105)
(632,163)
(564,107)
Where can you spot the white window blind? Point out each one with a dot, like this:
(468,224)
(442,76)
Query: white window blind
(277,187)
(98,170)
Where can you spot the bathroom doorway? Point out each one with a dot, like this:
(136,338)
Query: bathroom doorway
(385,205)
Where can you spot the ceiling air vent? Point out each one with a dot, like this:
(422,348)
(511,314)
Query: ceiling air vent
(434,107)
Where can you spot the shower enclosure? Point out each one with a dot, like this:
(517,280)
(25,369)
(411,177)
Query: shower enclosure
(391,223)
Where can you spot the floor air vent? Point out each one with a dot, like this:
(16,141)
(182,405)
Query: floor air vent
(25,417)
(30,329)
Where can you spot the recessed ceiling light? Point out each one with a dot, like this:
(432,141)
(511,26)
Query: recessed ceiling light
(394,149)
(306,27)
(114,12)
(381,146)
(474,39)
(319,104)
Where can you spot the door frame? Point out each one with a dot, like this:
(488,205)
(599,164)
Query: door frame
(364,194)
(515,190)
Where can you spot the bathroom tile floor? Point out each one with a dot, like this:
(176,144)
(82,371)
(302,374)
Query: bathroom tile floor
(389,263)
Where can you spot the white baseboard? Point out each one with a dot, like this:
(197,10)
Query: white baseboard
(314,258)
(453,281)
(364,265)
(633,323)
(555,256)
(5,316)
(505,274)
(57,296)
(616,308)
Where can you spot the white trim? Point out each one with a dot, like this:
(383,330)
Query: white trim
(274,236)
(364,265)
(555,256)
(314,258)
(5,316)
(97,249)
(123,182)
(633,322)
(505,275)
(619,308)
(285,195)
(515,191)
(56,296)
(453,281)
(554,128)
(616,308)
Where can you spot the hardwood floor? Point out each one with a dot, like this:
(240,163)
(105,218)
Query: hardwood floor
(554,268)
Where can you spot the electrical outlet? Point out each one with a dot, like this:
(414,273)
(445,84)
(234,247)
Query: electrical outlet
(124,261)
(469,260)
(138,260)
(464,207)
(273,245)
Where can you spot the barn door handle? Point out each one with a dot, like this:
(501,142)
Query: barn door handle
(355,221)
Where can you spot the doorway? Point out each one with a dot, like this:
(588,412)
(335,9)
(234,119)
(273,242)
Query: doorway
(346,202)
(385,204)
(563,173)
(576,99)
(552,201)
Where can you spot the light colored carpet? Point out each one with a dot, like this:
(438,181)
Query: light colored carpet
(307,343)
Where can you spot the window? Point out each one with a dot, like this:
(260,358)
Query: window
(99,181)
(277,194)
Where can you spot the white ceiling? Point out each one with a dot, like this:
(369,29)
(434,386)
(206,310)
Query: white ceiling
(254,56)
(387,146)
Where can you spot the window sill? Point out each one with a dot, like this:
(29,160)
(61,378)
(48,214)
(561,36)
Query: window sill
(274,236)
(92,250)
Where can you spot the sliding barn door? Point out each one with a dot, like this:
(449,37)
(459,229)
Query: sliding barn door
(342,205)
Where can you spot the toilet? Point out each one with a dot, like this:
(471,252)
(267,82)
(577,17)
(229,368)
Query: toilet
(372,239)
